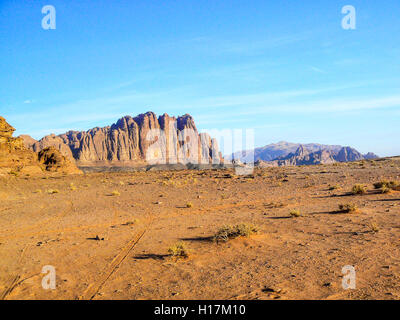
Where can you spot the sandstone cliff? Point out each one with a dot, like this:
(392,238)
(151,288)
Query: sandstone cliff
(15,158)
(140,140)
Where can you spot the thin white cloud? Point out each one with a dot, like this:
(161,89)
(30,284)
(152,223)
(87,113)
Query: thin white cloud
(317,69)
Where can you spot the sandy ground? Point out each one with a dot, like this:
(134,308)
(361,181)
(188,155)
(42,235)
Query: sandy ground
(289,258)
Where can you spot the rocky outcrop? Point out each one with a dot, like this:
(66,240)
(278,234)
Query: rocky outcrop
(131,141)
(52,160)
(15,158)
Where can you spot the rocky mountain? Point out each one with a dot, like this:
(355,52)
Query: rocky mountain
(303,156)
(144,139)
(15,158)
(280,149)
(346,154)
(370,155)
(286,153)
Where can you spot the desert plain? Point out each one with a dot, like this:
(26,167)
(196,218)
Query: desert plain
(107,234)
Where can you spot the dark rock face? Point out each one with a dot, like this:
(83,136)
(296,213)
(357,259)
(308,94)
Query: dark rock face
(144,139)
(52,160)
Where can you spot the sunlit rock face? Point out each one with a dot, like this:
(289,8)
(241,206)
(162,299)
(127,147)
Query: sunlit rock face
(144,139)
(16,158)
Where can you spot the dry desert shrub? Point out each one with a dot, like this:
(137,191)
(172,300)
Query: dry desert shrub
(178,250)
(374,227)
(294,213)
(230,232)
(51,191)
(385,189)
(348,208)
(359,189)
(380,184)
(392,185)
(189,205)
(115,193)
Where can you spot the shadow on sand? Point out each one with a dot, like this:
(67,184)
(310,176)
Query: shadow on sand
(201,239)
(151,256)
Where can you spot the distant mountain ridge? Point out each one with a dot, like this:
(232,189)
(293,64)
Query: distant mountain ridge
(286,153)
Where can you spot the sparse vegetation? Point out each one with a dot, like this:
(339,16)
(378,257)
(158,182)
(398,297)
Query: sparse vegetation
(385,189)
(374,227)
(189,205)
(294,213)
(179,250)
(359,189)
(335,187)
(380,184)
(115,193)
(348,208)
(387,185)
(72,187)
(51,191)
(129,223)
(230,232)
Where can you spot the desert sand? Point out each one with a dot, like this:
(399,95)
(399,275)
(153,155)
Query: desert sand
(107,234)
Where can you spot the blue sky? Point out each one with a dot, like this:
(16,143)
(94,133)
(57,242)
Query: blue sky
(285,68)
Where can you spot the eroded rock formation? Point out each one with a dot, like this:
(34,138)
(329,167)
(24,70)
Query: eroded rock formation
(15,158)
(141,140)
